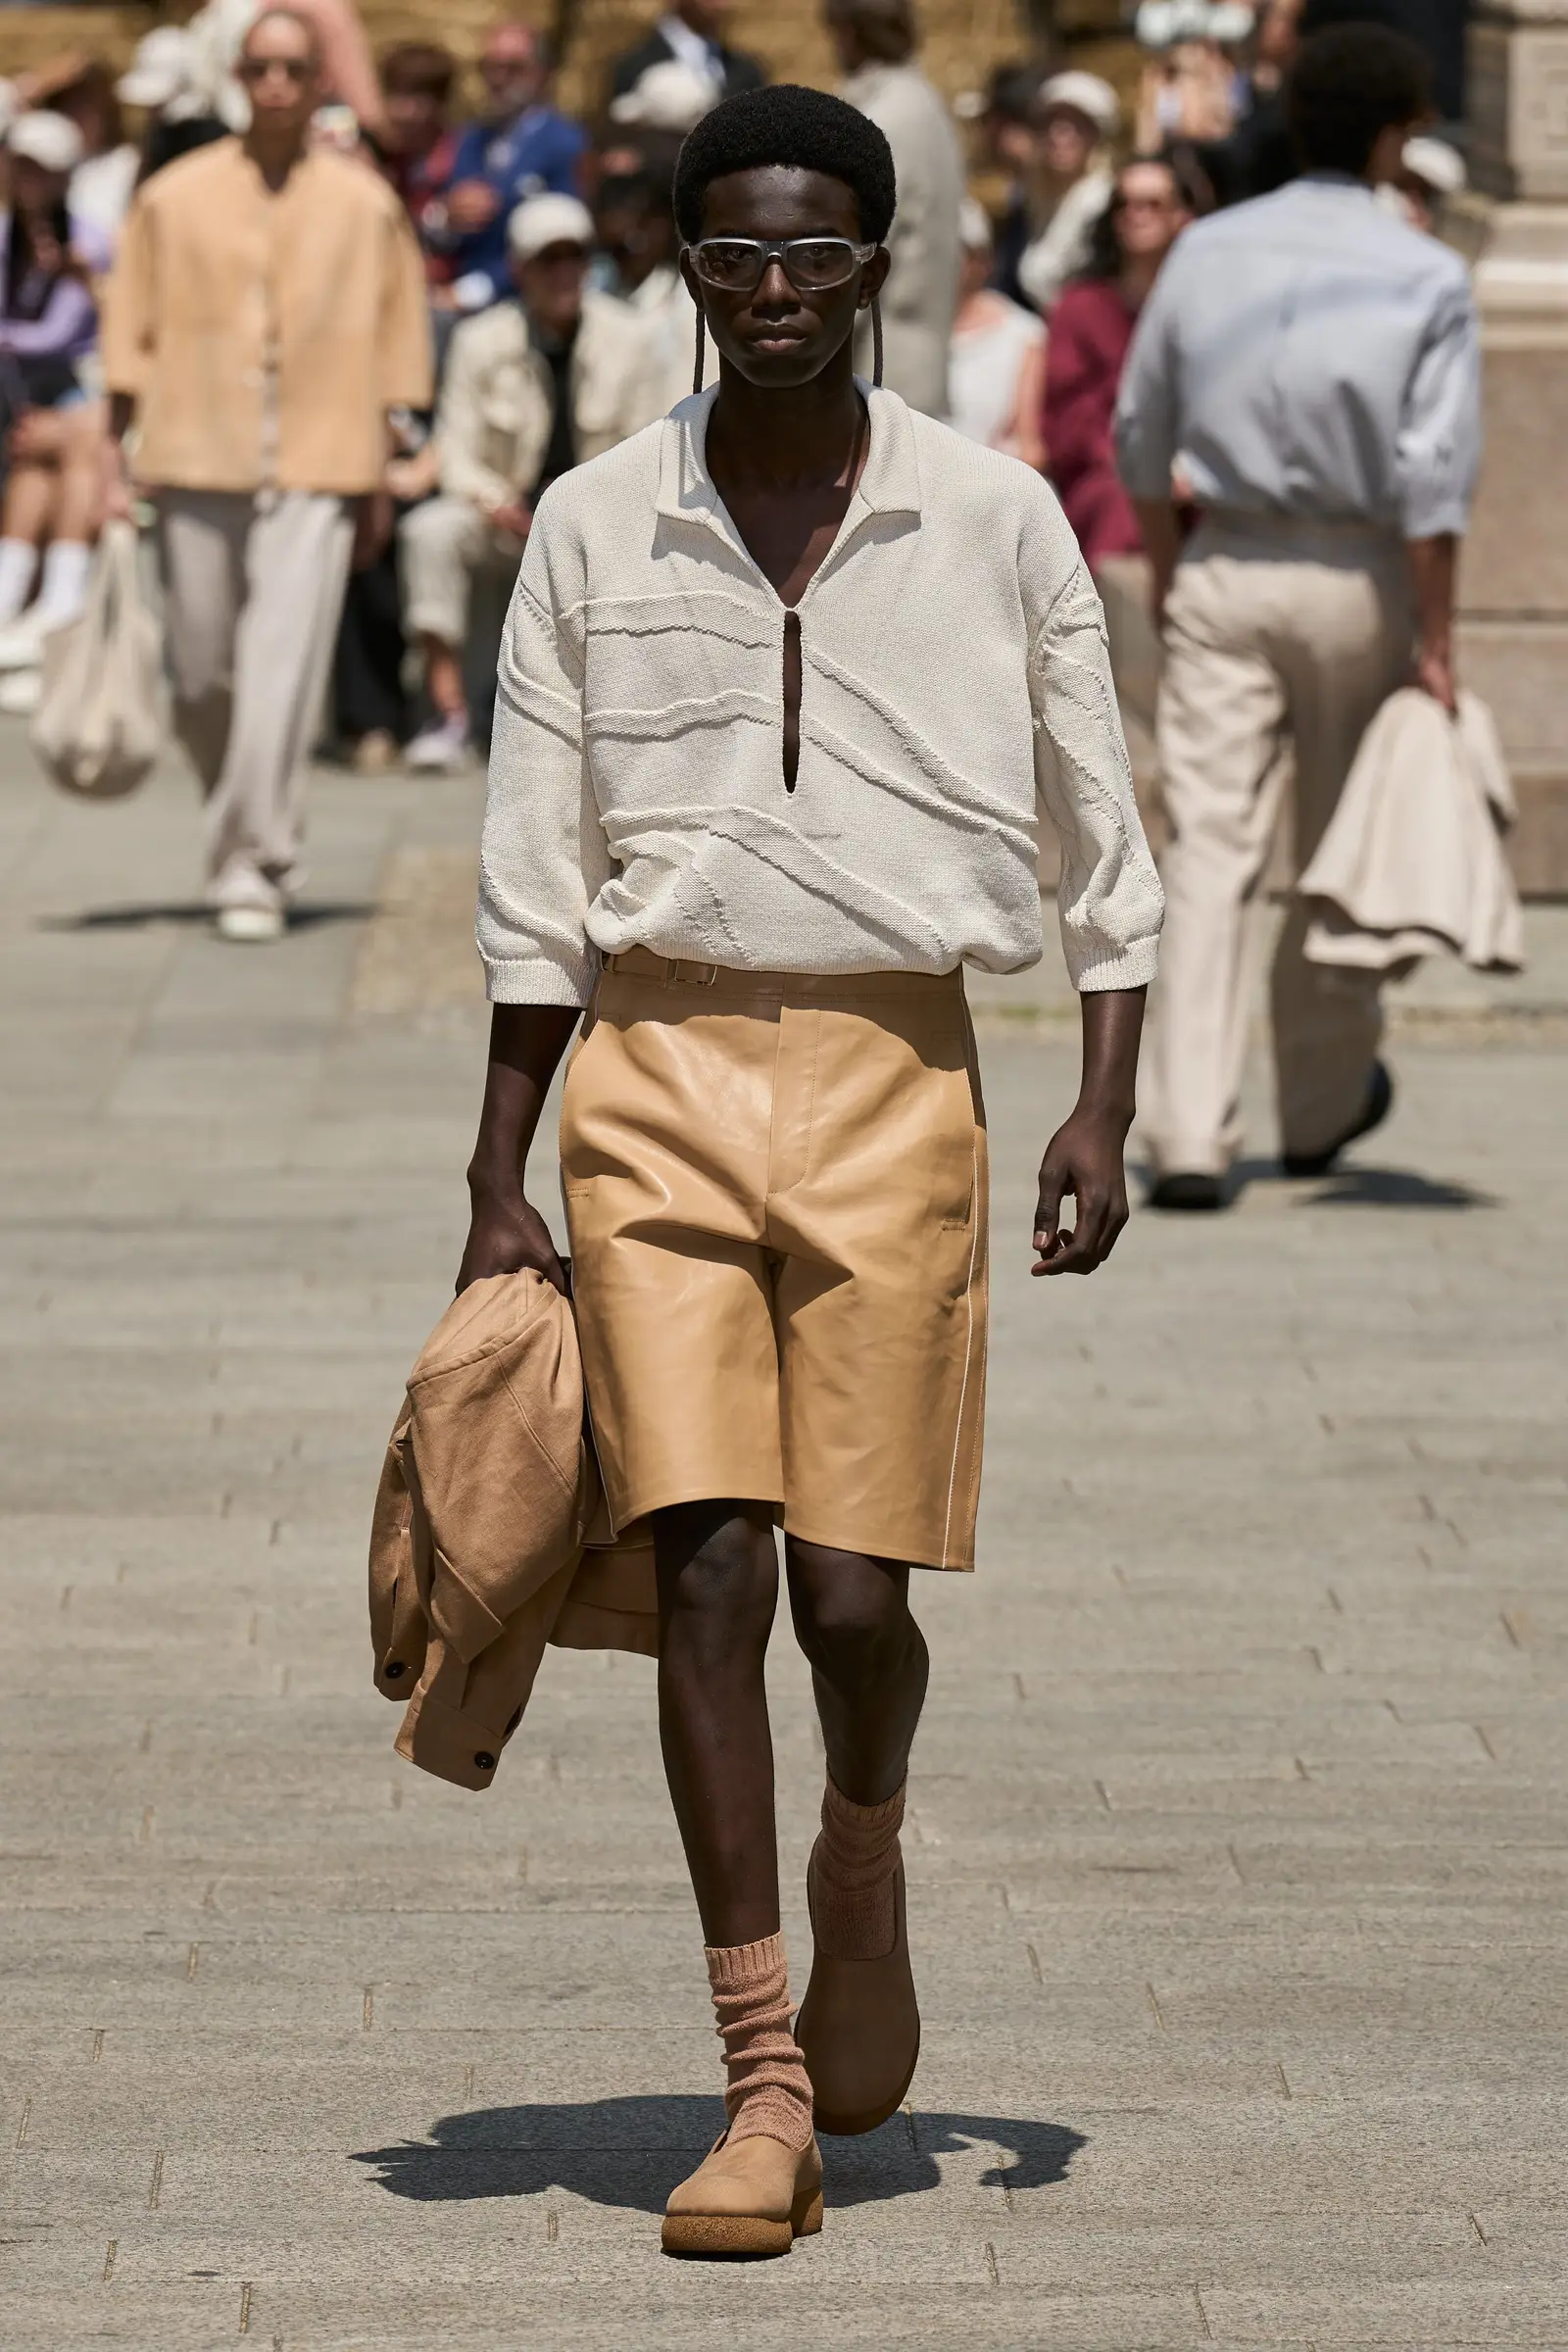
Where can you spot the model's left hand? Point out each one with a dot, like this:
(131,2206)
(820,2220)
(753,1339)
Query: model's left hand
(1083,1157)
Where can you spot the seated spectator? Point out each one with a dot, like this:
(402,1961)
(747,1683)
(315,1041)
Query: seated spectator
(1193,88)
(371,716)
(692,33)
(520,147)
(996,375)
(1430,174)
(635,213)
(1255,157)
(163,81)
(419,150)
(1005,114)
(1069,182)
(49,261)
(1154,199)
(83,89)
(532,388)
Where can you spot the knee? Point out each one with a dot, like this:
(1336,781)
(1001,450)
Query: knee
(717,1577)
(855,1635)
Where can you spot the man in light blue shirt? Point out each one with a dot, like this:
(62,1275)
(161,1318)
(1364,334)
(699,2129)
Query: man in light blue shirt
(1307,373)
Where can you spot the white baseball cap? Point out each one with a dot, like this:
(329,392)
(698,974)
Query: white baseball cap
(669,96)
(1436,164)
(163,66)
(543,220)
(51,141)
(1087,95)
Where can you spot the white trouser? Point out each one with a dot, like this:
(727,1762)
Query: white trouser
(444,544)
(253,591)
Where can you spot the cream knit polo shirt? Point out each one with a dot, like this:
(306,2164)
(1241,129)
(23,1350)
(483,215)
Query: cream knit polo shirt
(955,679)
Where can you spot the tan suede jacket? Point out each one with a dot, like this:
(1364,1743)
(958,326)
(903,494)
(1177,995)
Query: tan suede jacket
(490,1537)
(219,285)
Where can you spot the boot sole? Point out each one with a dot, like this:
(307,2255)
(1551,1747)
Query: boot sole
(742,2234)
(853,2126)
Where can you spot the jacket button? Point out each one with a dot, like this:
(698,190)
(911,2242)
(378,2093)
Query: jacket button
(393,1670)
(486,1760)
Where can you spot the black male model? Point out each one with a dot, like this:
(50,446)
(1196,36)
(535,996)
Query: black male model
(785,682)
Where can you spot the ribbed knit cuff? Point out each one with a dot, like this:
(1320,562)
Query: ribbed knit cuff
(768,2092)
(539,980)
(1134,966)
(740,1967)
(855,1864)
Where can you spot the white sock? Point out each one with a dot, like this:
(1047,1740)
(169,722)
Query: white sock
(66,566)
(17,560)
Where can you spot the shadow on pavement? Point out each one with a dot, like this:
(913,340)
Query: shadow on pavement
(306,917)
(630,2153)
(1394,1188)
(1358,1187)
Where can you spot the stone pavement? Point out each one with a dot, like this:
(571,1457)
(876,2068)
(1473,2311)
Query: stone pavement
(1236,1855)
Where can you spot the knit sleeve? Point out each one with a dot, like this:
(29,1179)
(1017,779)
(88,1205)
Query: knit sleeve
(1109,903)
(543,856)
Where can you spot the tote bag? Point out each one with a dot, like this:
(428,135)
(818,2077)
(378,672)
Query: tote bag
(98,728)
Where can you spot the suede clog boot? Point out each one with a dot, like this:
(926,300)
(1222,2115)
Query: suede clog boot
(859,2026)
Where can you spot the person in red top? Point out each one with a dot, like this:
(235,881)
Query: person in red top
(1089,330)
(419,150)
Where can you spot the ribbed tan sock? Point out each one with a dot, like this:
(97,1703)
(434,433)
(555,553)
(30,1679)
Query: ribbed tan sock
(769,2093)
(851,1890)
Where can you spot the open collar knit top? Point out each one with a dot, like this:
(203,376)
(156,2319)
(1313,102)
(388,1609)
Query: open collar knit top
(955,680)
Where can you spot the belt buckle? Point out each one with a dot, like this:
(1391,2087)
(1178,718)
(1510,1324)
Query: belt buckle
(683,974)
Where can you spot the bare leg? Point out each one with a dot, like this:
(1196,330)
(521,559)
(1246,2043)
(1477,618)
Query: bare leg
(31,494)
(443,677)
(868,1659)
(717,1591)
(79,512)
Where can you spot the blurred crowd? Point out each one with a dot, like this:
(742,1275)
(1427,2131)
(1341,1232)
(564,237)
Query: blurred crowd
(1034,220)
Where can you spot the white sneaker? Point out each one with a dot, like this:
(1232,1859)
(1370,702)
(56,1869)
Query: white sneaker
(251,926)
(441,750)
(21,692)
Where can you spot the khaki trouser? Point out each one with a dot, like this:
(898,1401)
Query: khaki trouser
(444,543)
(253,590)
(1275,631)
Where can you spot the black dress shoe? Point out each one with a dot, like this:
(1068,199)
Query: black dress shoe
(1379,1102)
(1187,1192)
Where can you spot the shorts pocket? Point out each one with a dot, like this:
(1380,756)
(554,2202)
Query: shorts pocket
(954,1158)
(573,1177)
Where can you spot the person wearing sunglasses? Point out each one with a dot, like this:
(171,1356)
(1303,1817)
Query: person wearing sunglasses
(789,681)
(265,315)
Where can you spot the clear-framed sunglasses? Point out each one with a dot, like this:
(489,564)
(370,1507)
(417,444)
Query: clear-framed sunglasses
(812,265)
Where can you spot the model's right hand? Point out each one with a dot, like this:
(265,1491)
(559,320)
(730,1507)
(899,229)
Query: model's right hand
(505,1236)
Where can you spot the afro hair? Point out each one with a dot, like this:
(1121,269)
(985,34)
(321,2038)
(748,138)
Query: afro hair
(806,131)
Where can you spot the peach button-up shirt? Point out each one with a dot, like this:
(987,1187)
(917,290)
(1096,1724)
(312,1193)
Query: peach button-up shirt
(264,336)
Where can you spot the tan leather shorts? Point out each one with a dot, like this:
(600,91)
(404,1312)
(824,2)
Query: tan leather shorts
(776,1190)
